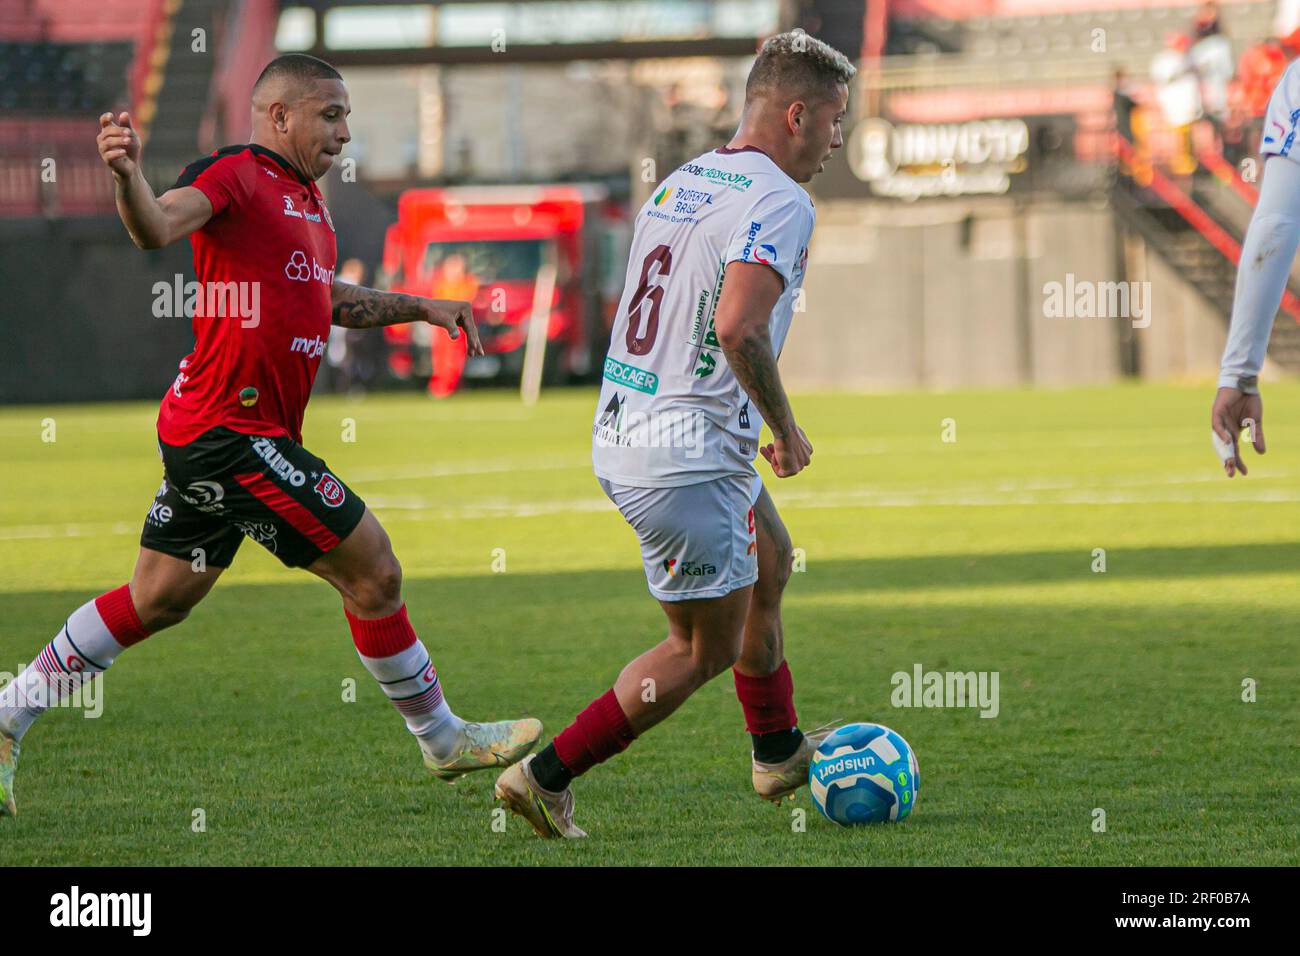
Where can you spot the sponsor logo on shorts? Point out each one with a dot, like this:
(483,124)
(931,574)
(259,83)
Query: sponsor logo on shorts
(159,514)
(631,376)
(281,467)
(204,495)
(263,532)
(688,569)
(330,490)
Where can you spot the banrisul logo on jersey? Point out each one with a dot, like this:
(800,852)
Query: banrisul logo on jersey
(631,376)
(737,181)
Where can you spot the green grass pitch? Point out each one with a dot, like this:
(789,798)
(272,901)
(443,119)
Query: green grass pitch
(1120,691)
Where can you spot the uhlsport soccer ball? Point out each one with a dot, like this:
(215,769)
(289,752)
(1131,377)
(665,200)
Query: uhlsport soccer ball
(864,773)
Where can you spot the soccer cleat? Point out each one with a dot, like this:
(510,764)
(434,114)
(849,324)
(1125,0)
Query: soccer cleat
(485,746)
(8,764)
(550,814)
(776,781)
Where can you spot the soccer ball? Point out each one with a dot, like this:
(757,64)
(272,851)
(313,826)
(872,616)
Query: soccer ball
(864,773)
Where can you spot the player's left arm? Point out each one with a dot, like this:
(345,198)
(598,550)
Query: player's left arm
(1266,257)
(356,307)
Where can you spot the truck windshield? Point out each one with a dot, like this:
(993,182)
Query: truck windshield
(488,260)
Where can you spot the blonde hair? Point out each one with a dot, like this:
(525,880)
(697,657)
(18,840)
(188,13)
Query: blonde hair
(799,66)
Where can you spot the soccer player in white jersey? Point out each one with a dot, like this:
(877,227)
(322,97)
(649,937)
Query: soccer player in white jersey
(717,261)
(1266,259)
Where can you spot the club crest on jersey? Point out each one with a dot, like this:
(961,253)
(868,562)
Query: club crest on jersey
(330,490)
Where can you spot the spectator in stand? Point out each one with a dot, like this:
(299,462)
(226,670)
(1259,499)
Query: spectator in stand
(1206,23)
(1211,58)
(1178,92)
(1258,73)
(1124,104)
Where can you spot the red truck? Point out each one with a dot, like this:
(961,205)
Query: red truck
(488,244)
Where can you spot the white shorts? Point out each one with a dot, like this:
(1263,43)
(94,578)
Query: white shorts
(697,541)
(1279,137)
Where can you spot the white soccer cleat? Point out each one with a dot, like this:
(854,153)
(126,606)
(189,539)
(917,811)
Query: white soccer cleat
(776,781)
(484,746)
(547,812)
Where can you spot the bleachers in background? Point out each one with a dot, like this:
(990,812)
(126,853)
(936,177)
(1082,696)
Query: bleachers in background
(62,63)
(46,77)
(75,21)
(1027,33)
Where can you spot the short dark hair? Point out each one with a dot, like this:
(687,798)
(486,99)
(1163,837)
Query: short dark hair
(797,65)
(297,66)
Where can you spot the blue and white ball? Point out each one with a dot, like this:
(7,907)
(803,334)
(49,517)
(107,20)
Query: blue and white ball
(864,773)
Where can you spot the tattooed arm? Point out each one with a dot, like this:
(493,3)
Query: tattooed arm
(356,307)
(749,292)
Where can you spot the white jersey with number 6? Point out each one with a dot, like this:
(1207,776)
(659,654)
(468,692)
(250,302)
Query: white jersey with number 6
(671,412)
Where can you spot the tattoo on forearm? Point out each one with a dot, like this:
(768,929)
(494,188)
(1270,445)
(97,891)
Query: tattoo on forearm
(754,366)
(356,307)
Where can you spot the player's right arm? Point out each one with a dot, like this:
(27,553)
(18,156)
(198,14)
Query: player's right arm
(749,292)
(152,222)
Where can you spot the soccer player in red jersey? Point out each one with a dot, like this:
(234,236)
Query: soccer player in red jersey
(230,426)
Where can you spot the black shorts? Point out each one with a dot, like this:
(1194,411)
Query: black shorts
(225,485)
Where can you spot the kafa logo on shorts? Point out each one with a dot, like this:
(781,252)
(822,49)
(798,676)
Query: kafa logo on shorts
(279,466)
(330,490)
(688,569)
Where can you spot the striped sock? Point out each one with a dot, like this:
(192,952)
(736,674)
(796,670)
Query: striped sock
(396,658)
(89,641)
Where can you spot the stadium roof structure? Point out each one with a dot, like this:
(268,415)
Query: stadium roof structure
(545,31)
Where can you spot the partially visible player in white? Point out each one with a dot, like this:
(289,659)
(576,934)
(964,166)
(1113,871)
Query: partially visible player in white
(717,263)
(1266,259)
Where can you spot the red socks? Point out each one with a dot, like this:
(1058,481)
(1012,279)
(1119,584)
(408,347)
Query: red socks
(768,701)
(382,636)
(118,614)
(596,734)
